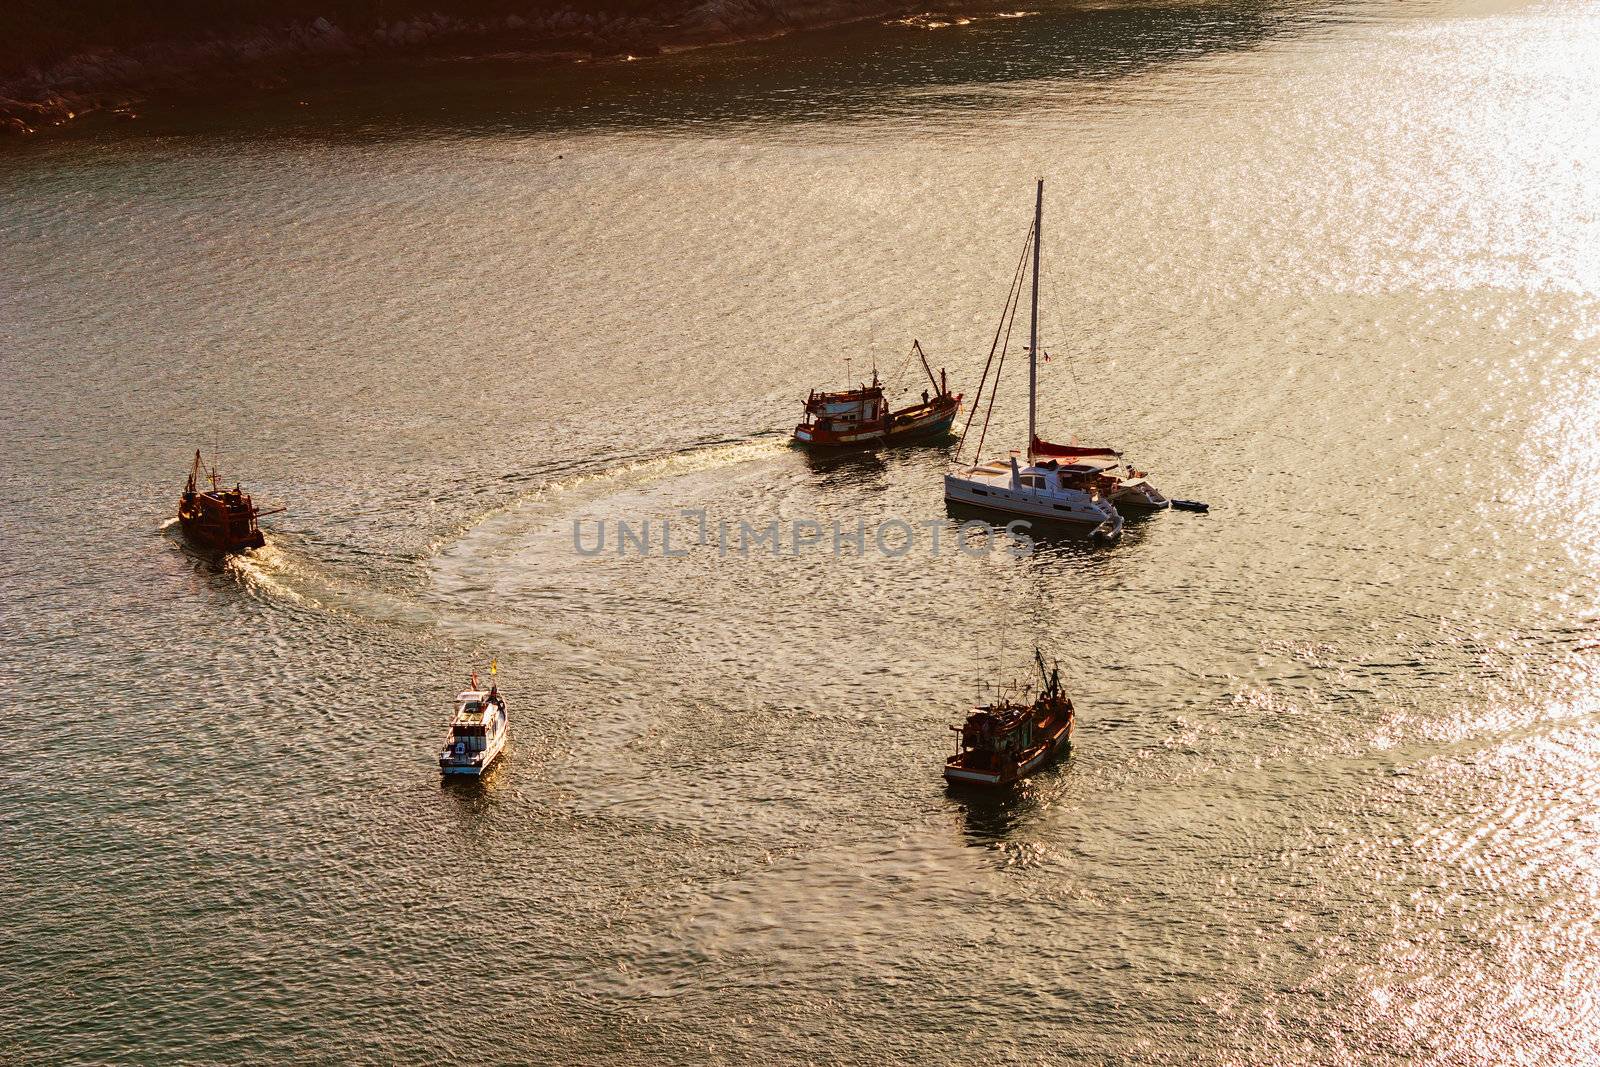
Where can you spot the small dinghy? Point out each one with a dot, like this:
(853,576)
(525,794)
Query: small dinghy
(478,731)
(1005,741)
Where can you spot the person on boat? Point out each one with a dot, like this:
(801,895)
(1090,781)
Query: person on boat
(924,396)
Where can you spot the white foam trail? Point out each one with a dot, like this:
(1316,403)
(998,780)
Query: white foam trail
(622,473)
(267,570)
(277,571)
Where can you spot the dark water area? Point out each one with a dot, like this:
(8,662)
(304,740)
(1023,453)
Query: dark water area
(1330,267)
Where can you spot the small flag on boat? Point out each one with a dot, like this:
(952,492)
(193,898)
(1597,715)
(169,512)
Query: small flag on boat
(494,667)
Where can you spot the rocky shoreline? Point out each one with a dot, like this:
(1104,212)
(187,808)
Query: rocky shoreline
(116,82)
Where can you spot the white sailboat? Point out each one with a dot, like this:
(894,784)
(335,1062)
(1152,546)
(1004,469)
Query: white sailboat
(1060,483)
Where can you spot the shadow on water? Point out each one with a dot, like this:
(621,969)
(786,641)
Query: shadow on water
(867,70)
(472,795)
(1055,543)
(833,466)
(989,817)
(1037,538)
(992,817)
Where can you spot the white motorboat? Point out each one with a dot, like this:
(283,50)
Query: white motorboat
(478,732)
(1062,483)
(1135,493)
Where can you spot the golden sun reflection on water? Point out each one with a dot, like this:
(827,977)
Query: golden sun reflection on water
(1564,450)
(1335,798)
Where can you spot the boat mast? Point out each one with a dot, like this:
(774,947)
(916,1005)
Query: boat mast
(937,387)
(1033,322)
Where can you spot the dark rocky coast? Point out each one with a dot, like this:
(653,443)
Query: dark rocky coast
(41,91)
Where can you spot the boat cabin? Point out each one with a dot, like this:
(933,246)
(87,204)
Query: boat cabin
(846,410)
(479,719)
(1084,476)
(1048,477)
(997,733)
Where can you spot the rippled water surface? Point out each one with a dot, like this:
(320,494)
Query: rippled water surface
(1330,266)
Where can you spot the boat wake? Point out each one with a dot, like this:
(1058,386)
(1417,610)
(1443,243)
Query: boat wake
(463,568)
(283,572)
(536,512)
(270,572)
(596,479)
(511,578)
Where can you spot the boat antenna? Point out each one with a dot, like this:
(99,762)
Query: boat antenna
(1033,322)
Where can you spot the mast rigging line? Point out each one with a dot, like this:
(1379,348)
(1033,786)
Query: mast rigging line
(1007,316)
(898,376)
(999,367)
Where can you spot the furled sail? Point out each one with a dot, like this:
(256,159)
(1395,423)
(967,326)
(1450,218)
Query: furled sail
(1041,449)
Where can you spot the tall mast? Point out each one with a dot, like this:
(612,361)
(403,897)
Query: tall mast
(1033,321)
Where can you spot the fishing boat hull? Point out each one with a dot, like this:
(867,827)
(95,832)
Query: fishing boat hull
(961,770)
(218,533)
(919,423)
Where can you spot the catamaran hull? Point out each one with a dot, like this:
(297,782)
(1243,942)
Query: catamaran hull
(1105,521)
(1141,504)
(1140,498)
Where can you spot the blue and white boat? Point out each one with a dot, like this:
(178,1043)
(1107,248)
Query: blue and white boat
(478,733)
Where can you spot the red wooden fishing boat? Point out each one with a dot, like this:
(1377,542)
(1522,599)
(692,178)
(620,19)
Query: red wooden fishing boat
(217,518)
(1005,741)
(860,417)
